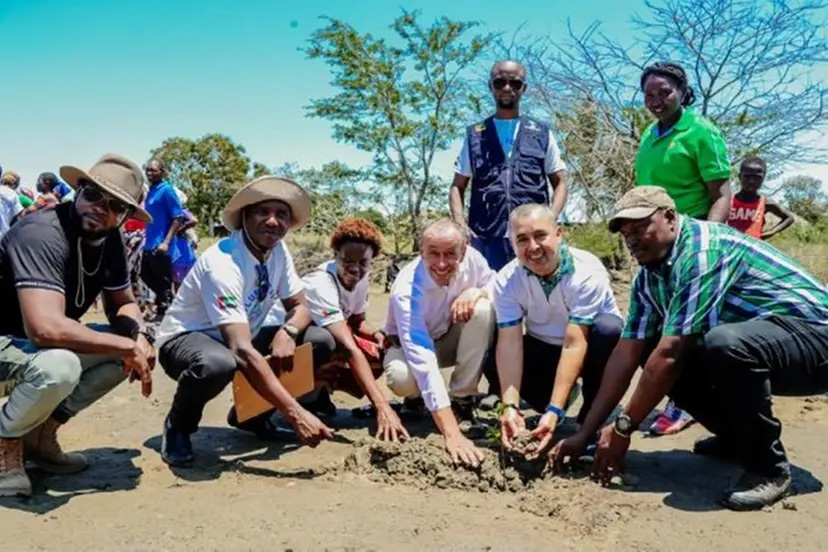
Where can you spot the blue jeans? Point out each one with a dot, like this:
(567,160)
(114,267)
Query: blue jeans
(497,251)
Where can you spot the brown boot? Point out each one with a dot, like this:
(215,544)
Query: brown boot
(13,478)
(41,447)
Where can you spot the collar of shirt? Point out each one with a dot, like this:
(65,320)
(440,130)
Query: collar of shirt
(686,120)
(566,266)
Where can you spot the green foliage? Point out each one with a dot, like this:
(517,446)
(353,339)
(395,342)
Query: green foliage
(598,240)
(804,196)
(209,169)
(402,101)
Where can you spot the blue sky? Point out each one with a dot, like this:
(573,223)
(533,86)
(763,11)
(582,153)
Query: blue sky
(83,77)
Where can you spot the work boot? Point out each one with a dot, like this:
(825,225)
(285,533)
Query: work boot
(41,447)
(754,491)
(13,478)
(464,409)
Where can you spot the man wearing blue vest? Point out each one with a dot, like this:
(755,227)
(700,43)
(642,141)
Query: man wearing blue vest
(511,160)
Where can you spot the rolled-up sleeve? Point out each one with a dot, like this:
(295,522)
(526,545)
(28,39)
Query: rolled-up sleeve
(418,348)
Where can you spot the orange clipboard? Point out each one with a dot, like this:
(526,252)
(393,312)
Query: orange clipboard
(297,382)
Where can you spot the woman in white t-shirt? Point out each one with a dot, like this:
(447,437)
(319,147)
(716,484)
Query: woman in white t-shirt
(337,294)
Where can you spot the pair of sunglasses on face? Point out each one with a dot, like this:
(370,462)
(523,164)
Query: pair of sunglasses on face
(515,84)
(93,194)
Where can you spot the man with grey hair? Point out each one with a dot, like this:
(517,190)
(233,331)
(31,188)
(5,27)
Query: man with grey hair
(510,160)
(440,314)
(562,295)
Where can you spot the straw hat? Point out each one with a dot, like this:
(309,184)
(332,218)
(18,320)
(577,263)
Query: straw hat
(269,188)
(117,176)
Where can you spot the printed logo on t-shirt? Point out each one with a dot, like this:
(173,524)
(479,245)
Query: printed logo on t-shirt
(227,302)
(330,312)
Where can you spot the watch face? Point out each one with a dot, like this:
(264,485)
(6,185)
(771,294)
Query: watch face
(623,424)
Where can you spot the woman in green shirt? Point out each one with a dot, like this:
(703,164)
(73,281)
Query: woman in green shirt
(682,151)
(685,154)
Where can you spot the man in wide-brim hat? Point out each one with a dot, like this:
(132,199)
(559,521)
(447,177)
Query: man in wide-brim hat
(216,322)
(53,265)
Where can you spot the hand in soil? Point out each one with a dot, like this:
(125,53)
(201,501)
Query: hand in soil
(389,426)
(543,434)
(611,455)
(512,424)
(569,448)
(463,451)
(310,430)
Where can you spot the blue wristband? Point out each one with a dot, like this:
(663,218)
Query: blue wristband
(559,412)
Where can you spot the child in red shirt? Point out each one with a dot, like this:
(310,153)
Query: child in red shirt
(748,207)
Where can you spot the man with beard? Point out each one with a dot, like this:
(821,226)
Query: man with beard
(216,323)
(53,265)
(719,320)
(510,159)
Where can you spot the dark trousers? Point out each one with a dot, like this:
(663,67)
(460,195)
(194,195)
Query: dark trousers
(726,383)
(203,367)
(497,251)
(540,365)
(156,271)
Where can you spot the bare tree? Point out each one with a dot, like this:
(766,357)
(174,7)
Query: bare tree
(749,61)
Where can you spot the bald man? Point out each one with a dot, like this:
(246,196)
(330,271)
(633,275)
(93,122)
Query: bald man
(510,160)
(440,314)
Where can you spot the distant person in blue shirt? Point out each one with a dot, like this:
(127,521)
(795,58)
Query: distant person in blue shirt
(510,160)
(163,205)
(49,183)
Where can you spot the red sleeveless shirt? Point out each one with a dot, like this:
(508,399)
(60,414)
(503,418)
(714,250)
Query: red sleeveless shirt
(748,216)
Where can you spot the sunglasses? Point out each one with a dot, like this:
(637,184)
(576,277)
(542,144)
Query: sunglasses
(262,282)
(94,195)
(500,83)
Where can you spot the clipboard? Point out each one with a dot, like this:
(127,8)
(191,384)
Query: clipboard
(297,382)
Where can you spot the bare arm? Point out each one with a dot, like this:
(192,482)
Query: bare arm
(174,229)
(786,219)
(46,325)
(560,191)
(358,363)
(298,313)
(660,372)
(570,364)
(509,356)
(719,191)
(457,194)
(360,326)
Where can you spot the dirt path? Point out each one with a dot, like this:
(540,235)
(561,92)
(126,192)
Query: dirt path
(243,495)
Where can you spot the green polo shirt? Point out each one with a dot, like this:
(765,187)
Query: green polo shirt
(682,160)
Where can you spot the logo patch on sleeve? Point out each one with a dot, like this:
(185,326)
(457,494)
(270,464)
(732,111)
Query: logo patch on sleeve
(227,302)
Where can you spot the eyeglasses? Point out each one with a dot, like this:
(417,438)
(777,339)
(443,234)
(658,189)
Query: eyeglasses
(262,282)
(514,84)
(94,195)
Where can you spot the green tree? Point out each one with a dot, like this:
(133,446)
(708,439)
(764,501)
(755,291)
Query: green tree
(402,101)
(209,169)
(804,196)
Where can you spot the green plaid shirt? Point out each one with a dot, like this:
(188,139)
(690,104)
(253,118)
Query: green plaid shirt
(717,275)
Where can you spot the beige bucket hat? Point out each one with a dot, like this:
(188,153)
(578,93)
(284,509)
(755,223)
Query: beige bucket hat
(117,176)
(269,188)
(639,203)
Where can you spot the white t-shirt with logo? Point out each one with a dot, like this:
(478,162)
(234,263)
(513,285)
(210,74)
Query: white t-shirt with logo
(328,300)
(223,288)
(579,297)
(10,207)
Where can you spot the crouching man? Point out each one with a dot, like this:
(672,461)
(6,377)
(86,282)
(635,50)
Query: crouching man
(563,297)
(53,265)
(440,314)
(719,320)
(214,325)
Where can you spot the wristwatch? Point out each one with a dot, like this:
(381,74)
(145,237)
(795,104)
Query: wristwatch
(624,425)
(291,330)
(148,335)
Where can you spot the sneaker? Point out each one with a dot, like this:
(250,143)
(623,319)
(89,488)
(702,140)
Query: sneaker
(270,426)
(176,448)
(716,447)
(671,421)
(320,406)
(754,492)
(369,411)
(489,403)
(413,410)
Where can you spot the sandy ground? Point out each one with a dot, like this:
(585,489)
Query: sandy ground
(245,495)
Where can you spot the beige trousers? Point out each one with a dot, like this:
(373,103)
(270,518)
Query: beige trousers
(464,346)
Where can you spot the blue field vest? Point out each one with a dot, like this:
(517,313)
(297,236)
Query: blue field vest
(500,184)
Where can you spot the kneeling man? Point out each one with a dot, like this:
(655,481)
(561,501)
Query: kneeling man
(440,314)
(214,325)
(563,297)
(719,320)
